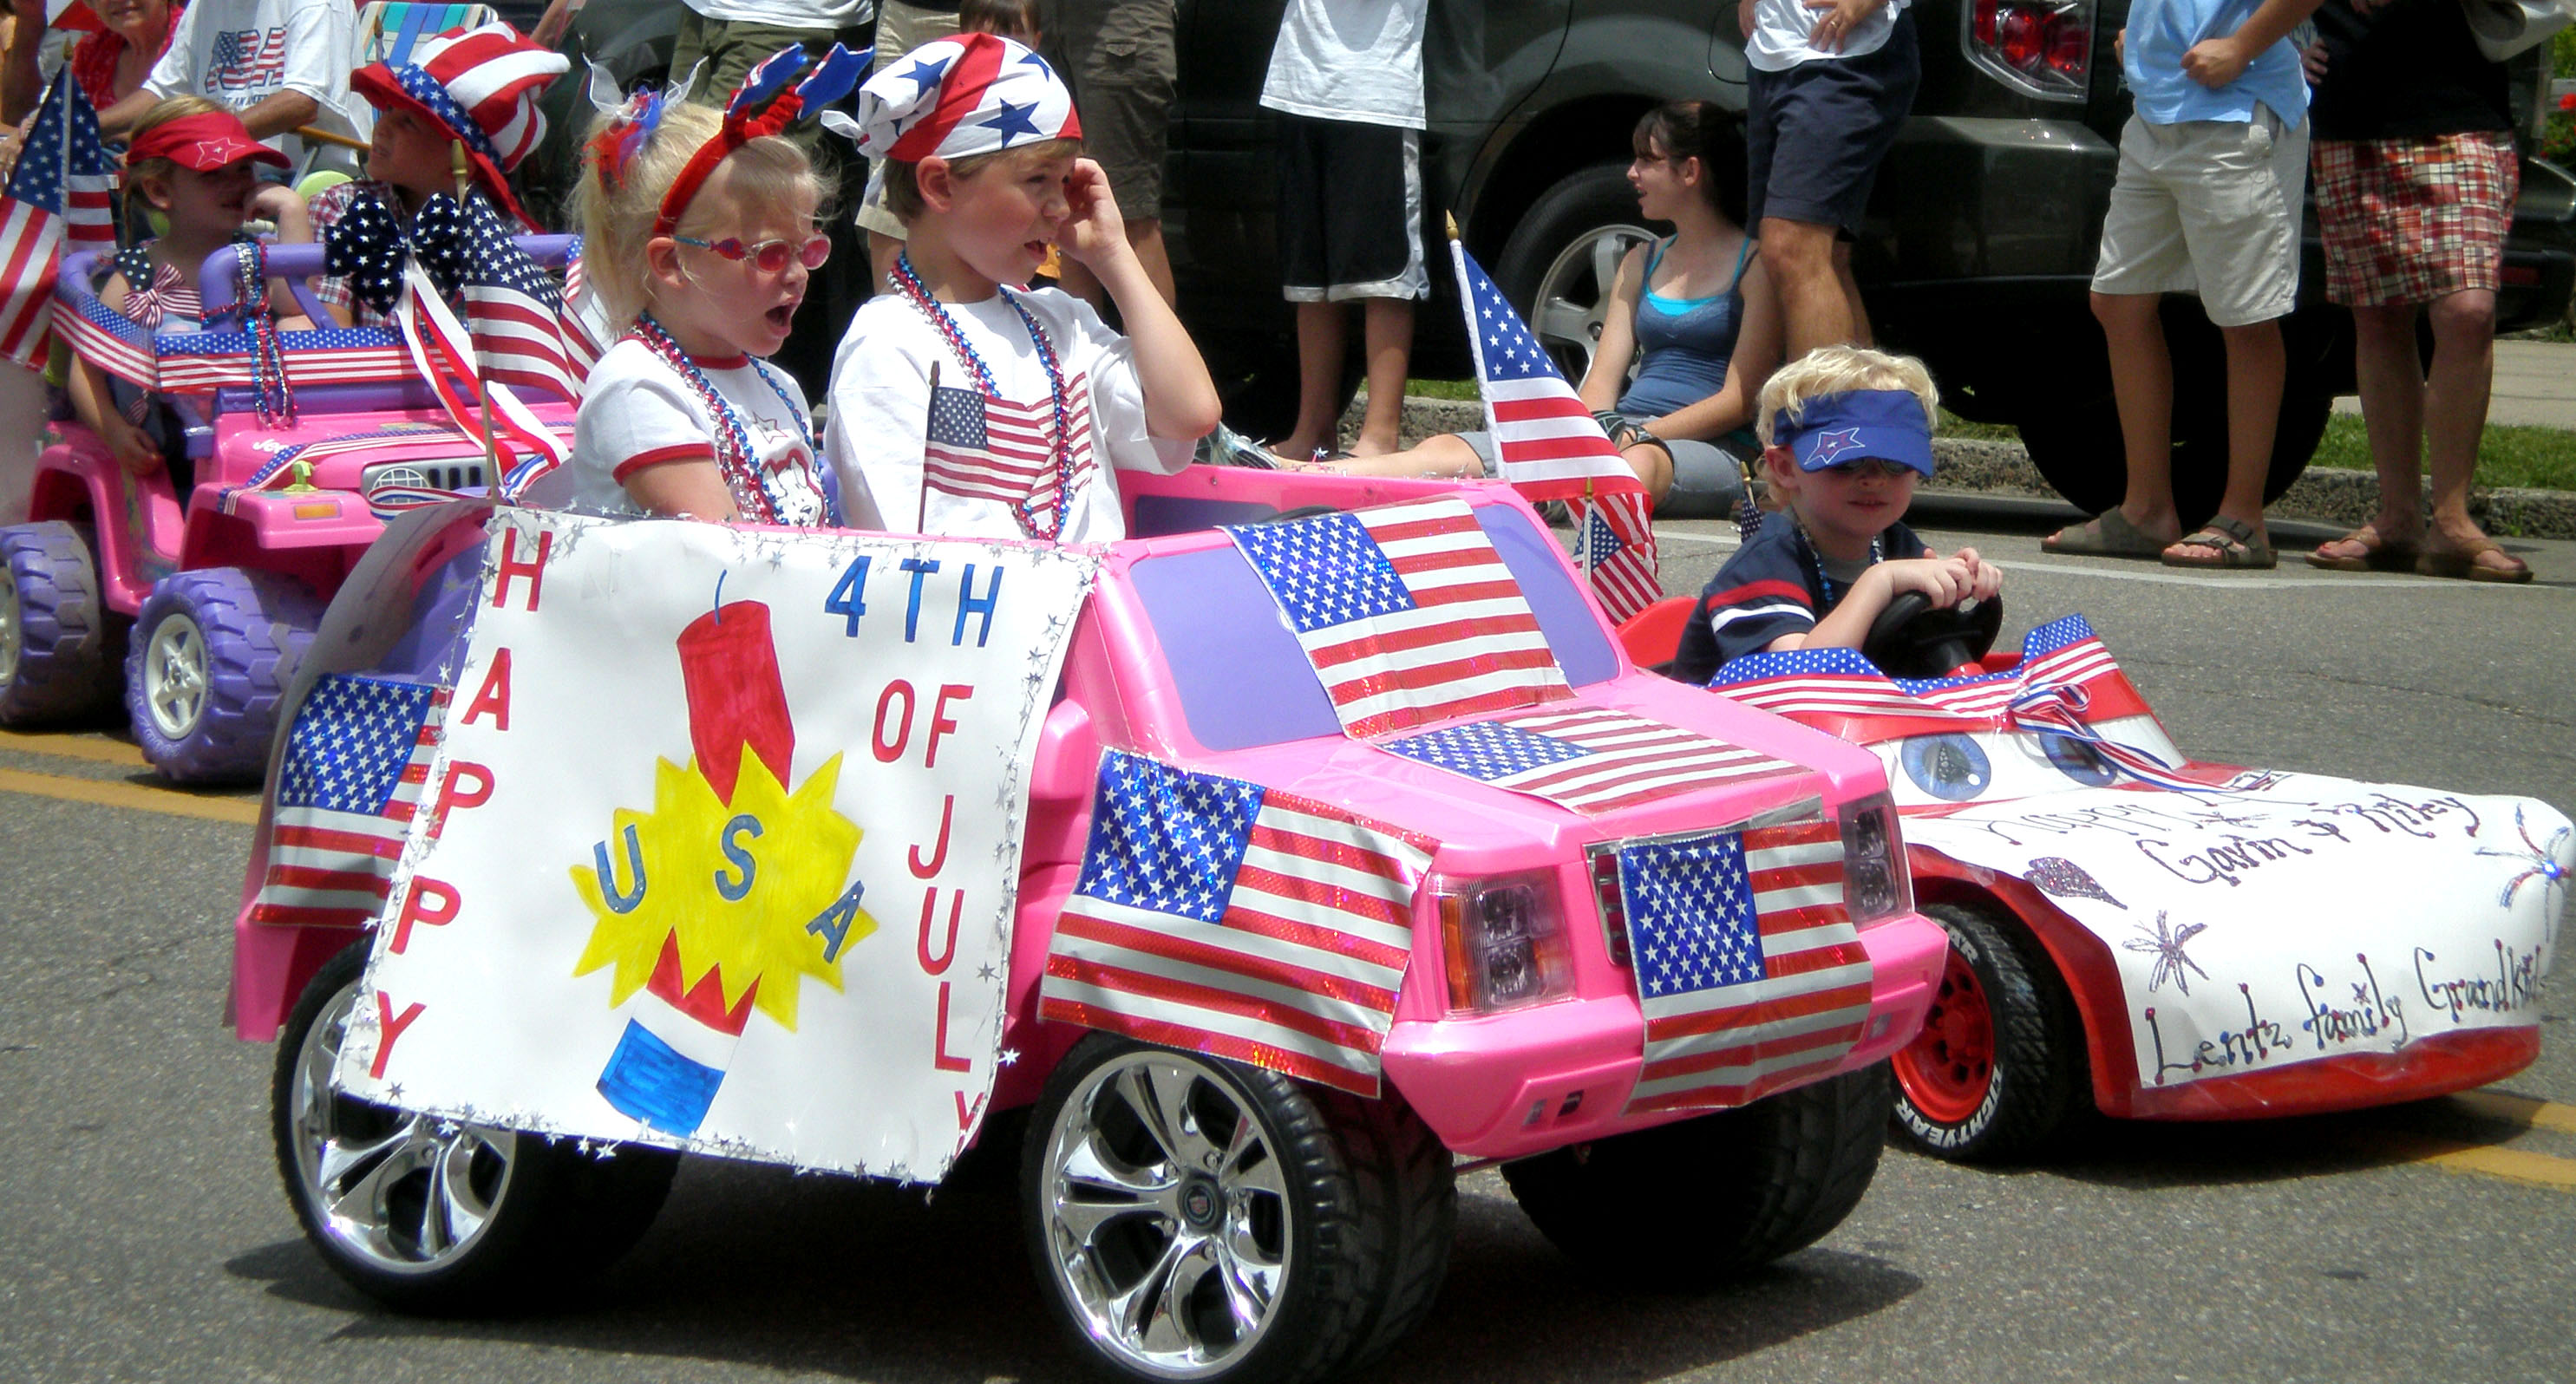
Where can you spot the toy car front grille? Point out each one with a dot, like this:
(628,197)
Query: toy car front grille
(1603,857)
(421,475)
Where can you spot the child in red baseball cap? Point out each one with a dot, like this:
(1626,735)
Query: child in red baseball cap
(477,88)
(190,161)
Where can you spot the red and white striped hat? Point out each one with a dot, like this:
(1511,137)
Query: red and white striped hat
(481,85)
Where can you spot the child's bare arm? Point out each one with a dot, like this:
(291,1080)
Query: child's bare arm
(1946,580)
(294,221)
(684,489)
(1180,400)
(1757,354)
(2215,62)
(132,447)
(1618,343)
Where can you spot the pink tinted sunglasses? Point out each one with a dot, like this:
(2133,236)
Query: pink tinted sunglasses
(769,256)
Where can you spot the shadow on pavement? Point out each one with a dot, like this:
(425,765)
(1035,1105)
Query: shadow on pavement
(2142,1154)
(753,1266)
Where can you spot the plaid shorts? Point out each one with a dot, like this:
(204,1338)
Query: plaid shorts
(2412,220)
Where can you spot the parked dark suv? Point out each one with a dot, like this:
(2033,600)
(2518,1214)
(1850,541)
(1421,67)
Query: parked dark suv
(1976,256)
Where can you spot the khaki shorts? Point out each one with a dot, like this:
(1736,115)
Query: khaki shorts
(2208,207)
(1119,57)
(900,29)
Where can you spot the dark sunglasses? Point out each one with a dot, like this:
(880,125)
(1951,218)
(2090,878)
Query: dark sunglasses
(769,256)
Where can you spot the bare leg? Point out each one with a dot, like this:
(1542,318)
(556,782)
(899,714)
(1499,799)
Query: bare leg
(1800,259)
(1861,334)
(1388,324)
(2455,415)
(2256,364)
(1654,467)
(2391,379)
(1320,333)
(2142,383)
(1445,455)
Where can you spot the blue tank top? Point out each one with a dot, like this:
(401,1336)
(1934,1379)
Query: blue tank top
(1687,342)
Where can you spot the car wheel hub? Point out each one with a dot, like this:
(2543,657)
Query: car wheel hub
(175,676)
(1168,1220)
(1947,1070)
(402,1192)
(1574,295)
(12,635)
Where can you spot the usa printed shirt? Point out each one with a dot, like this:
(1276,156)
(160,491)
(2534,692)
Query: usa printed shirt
(908,463)
(241,52)
(1768,589)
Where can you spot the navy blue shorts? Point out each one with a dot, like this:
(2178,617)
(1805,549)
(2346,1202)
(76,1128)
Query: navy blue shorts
(1815,133)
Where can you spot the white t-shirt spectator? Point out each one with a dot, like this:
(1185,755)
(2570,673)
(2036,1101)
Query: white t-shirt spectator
(817,15)
(1781,27)
(638,412)
(980,455)
(1355,60)
(241,52)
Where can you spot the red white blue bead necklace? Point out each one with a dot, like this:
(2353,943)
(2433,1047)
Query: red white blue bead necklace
(735,460)
(1059,445)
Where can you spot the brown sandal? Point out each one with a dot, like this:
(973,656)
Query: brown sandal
(2377,554)
(2462,563)
(2230,543)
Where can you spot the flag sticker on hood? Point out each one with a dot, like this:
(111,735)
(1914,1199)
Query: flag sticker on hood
(1589,759)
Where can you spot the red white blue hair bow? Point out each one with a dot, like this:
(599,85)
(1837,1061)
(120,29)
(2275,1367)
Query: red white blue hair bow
(762,106)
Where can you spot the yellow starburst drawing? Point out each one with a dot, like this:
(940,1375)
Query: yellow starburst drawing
(751,889)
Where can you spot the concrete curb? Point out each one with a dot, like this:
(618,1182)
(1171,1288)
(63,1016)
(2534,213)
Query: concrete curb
(1973,466)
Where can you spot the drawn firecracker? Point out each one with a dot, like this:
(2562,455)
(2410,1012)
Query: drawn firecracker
(702,905)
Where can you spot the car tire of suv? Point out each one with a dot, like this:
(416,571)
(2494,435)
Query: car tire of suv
(56,634)
(2077,447)
(212,653)
(1697,1201)
(1565,250)
(1999,1067)
(441,1217)
(1330,1214)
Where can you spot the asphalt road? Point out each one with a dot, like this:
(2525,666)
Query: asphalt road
(143,1234)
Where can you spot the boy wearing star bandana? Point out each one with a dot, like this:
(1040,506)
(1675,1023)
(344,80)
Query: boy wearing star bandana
(1845,433)
(962,403)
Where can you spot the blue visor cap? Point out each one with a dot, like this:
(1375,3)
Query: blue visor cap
(1838,429)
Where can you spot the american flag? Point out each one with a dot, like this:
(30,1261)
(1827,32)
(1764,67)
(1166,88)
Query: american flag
(1589,759)
(62,191)
(356,761)
(586,328)
(513,310)
(203,362)
(995,449)
(1844,694)
(105,337)
(443,351)
(1406,612)
(1749,970)
(1221,917)
(1550,447)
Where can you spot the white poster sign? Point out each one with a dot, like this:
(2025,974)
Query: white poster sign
(722,842)
(2292,917)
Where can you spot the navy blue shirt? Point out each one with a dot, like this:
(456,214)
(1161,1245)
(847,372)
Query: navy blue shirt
(1771,587)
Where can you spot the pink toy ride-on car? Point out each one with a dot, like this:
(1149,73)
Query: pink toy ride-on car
(202,602)
(1521,1034)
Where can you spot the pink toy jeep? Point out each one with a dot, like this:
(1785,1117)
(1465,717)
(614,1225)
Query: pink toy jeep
(1659,994)
(221,586)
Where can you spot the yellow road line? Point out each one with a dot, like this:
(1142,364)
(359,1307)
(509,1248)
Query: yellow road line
(2522,1110)
(73,747)
(127,795)
(2450,1155)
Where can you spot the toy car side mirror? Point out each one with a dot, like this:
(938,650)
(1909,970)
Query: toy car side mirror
(1068,757)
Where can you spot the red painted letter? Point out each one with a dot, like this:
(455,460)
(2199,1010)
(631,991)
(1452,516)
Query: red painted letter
(510,567)
(888,753)
(428,902)
(495,696)
(939,1046)
(947,950)
(939,722)
(966,1113)
(391,1027)
(939,853)
(474,794)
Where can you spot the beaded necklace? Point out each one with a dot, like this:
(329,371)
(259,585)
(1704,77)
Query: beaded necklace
(1059,445)
(273,395)
(1825,583)
(743,474)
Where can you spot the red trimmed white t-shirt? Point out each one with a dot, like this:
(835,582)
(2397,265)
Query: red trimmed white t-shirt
(637,412)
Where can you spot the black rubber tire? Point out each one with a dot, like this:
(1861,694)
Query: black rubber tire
(1375,1208)
(2041,1078)
(563,1217)
(1587,200)
(66,635)
(2075,441)
(1698,1201)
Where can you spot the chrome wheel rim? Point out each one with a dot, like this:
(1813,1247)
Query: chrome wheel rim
(12,637)
(1574,295)
(174,675)
(1167,1215)
(399,1192)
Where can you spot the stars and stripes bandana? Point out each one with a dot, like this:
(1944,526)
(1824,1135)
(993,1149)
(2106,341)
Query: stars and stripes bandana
(1590,759)
(357,759)
(1749,971)
(1221,917)
(1843,694)
(1406,613)
(960,97)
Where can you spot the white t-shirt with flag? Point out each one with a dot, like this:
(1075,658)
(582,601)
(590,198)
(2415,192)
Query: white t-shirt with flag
(638,412)
(976,456)
(241,52)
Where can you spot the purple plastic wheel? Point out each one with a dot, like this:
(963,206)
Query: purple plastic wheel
(212,653)
(55,632)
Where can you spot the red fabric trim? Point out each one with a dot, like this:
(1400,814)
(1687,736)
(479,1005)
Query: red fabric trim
(1756,590)
(960,92)
(686,451)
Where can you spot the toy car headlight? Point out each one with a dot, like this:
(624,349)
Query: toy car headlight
(1876,882)
(1504,939)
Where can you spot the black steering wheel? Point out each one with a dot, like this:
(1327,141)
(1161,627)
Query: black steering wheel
(1910,639)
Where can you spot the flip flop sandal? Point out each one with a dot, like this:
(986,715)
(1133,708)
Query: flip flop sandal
(2377,554)
(2230,542)
(2462,564)
(2109,535)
